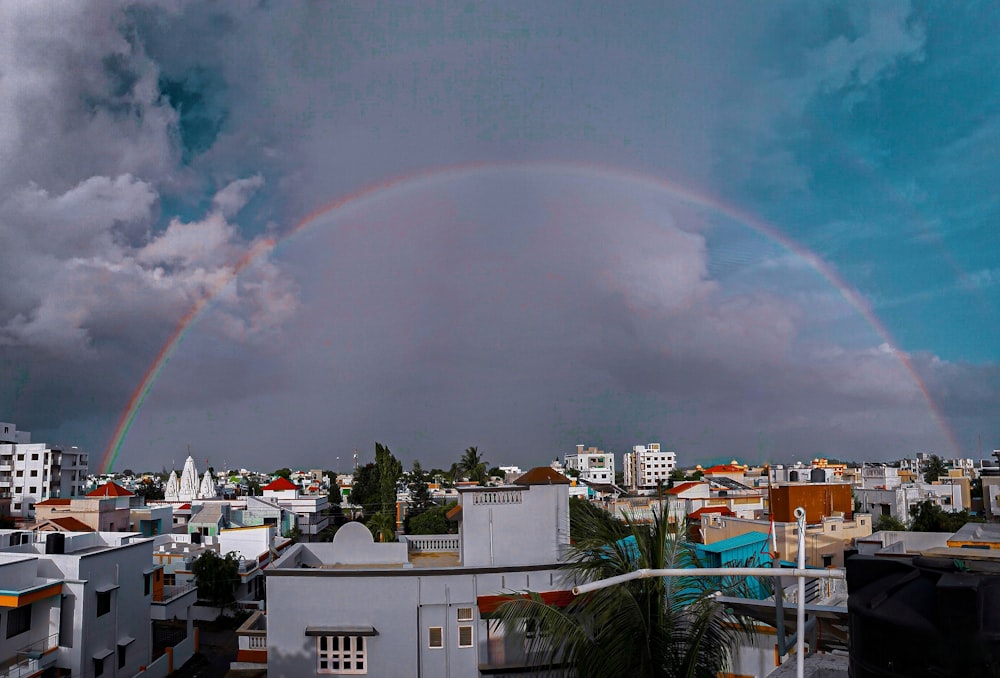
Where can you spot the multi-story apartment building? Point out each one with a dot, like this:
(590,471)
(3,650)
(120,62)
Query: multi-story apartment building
(31,472)
(76,603)
(593,465)
(647,466)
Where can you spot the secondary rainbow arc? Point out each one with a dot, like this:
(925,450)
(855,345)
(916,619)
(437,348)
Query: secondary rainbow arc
(382,189)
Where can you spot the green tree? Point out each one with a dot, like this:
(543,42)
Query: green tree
(389,471)
(432,521)
(420,493)
(365,489)
(472,465)
(149,491)
(382,526)
(888,523)
(216,577)
(495,472)
(929,517)
(582,515)
(285,473)
(935,469)
(662,626)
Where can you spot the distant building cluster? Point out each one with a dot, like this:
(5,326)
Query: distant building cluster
(99,574)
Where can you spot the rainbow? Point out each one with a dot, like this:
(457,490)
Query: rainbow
(382,189)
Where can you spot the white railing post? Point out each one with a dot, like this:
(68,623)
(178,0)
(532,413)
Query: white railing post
(800,620)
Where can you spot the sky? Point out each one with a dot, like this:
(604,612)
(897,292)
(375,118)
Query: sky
(270,234)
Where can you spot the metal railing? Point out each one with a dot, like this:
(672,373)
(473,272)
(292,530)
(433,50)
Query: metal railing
(799,572)
(28,658)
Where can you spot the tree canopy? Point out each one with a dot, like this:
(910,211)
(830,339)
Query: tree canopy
(936,468)
(216,577)
(365,489)
(929,517)
(285,473)
(472,465)
(658,626)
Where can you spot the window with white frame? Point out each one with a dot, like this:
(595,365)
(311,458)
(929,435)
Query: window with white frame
(465,614)
(341,655)
(435,637)
(465,635)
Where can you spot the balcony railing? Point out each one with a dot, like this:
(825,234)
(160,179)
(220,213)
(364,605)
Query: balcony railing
(432,543)
(172,592)
(31,659)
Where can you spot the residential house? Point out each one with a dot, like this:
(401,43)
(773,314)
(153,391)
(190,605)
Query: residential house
(434,593)
(593,465)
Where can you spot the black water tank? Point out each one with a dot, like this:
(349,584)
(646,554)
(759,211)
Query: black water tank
(55,542)
(921,616)
(817,475)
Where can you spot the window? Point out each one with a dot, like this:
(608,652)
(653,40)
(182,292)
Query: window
(465,636)
(121,655)
(19,474)
(34,473)
(170,580)
(341,654)
(18,620)
(146,581)
(34,457)
(103,603)
(98,667)
(435,637)
(828,561)
(464,614)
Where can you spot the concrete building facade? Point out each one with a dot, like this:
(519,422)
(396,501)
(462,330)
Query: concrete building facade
(32,472)
(647,466)
(593,465)
(434,594)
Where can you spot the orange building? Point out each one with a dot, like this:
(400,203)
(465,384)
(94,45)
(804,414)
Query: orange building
(820,500)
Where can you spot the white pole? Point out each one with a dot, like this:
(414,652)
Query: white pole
(800,624)
(832,573)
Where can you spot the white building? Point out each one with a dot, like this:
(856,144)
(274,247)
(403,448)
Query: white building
(419,607)
(647,465)
(593,465)
(32,472)
(77,602)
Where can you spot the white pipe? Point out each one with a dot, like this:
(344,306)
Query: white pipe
(833,573)
(800,624)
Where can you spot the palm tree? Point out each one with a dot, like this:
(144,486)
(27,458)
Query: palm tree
(667,627)
(472,465)
(382,526)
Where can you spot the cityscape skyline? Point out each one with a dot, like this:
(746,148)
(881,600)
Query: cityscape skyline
(284,233)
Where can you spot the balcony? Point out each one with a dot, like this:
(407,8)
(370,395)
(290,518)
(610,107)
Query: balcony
(252,637)
(31,659)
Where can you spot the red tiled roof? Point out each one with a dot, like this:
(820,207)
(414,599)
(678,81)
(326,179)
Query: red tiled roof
(184,507)
(110,489)
(711,509)
(71,524)
(542,475)
(489,604)
(280,484)
(724,468)
(677,489)
(454,513)
(54,502)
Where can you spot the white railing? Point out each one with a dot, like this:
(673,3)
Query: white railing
(801,573)
(427,543)
(496,497)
